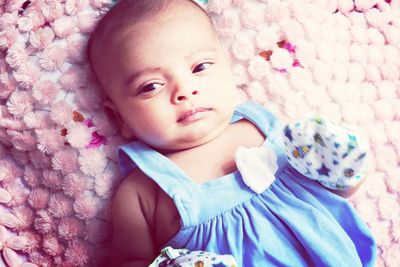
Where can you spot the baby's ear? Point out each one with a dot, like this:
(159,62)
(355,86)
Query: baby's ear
(113,113)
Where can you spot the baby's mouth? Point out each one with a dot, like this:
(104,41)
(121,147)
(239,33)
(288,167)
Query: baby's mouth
(192,115)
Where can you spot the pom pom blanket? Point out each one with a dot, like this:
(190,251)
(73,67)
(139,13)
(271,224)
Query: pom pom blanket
(339,59)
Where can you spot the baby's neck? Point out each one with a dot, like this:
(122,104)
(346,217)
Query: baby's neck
(217,157)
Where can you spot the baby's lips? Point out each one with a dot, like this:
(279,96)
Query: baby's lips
(186,114)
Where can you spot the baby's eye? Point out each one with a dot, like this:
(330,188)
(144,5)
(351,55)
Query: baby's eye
(150,87)
(201,67)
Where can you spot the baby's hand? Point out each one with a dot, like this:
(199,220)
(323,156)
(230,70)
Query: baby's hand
(170,257)
(327,152)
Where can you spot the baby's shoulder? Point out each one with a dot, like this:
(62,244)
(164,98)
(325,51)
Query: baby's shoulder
(138,194)
(137,186)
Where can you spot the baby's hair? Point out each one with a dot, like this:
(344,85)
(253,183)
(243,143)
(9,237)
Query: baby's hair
(125,14)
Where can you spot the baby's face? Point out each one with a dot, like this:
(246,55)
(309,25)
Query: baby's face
(173,86)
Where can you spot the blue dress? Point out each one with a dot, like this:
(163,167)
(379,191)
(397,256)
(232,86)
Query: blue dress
(294,222)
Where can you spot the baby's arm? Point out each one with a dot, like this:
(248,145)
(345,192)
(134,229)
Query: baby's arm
(133,242)
(328,153)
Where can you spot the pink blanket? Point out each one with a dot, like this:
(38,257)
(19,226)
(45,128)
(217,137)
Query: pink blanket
(338,59)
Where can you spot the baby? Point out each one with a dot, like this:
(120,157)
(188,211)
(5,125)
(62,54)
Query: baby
(206,175)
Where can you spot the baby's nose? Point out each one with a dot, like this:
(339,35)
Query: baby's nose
(182,96)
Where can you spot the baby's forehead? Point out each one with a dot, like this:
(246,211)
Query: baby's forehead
(131,19)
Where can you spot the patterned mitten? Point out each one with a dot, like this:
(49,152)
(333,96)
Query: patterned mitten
(170,257)
(327,152)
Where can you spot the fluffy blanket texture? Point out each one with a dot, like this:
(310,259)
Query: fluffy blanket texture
(336,58)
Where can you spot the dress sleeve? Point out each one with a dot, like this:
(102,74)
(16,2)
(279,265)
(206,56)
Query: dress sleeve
(326,152)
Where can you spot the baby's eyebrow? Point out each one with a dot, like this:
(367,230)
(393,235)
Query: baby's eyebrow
(136,74)
(201,50)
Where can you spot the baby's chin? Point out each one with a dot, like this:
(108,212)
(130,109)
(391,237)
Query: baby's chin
(190,142)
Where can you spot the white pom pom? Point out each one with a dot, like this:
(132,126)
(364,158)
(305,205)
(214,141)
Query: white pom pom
(267,38)
(392,35)
(277,12)
(293,31)
(327,34)
(305,52)
(375,54)
(79,135)
(258,67)
(322,72)
(331,111)
(342,20)
(300,10)
(300,78)
(383,110)
(318,14)
(312,30)
(243,47)
(385,7)
(278,85)
(359,33)
(339,71)
(375,18)
(256,91)
(387,90)
(363,5)
(331,6)
(217,6)
(281,59)
(358,18)
(240,74)
(391,54)
(393,131)
(375,36)
(356,73)
(337,90)
(372,73)
(316,96)
(350,113)
(92,161)
(343,35)
(396,106)
(375,132)
(353,92)
(228,24)
(358,53)
(345,6)
(293,103)
(368,92)
(325,51)
(390,71)
(252,14)
(367,115)
(342,54)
